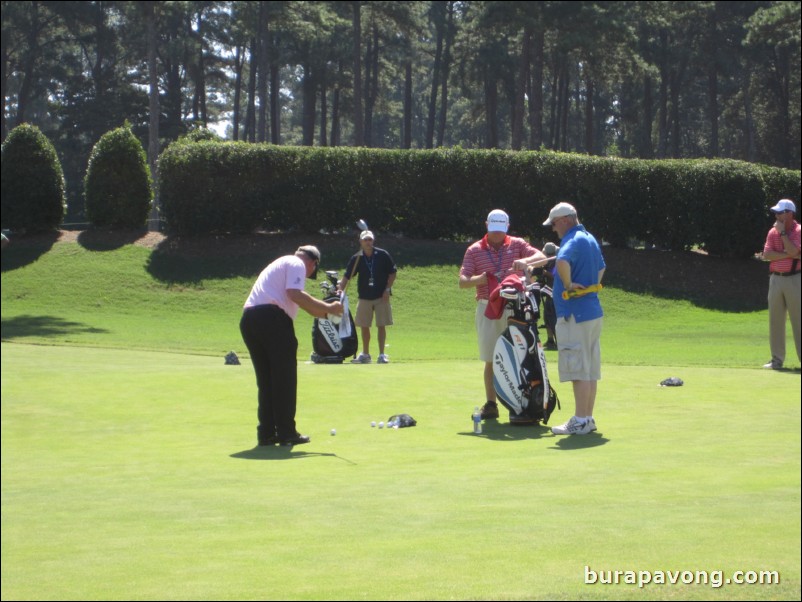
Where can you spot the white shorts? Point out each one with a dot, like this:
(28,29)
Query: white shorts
(488,331)
(579,349)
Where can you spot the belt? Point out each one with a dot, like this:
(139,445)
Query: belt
(784,274)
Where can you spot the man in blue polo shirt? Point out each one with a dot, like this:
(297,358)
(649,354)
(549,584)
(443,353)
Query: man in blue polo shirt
(580,267)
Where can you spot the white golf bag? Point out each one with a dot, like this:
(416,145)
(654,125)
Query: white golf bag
(520,376)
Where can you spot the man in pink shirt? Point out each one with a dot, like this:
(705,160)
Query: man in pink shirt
(785,284)
(268,330)
(486,263)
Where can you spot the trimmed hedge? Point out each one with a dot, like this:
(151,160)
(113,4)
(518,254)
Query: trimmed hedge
(720,206)
(118,185)
(33,191)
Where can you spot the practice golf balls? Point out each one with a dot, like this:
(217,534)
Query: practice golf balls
(381,425)
(373,424)
(333,432)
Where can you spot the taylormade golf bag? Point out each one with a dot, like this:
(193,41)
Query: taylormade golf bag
(519,362)
(333,342)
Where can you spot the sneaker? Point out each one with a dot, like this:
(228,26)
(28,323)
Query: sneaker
(489,410)
(773,365)
(383,359)
(573,427)
(297,439)
(362,358)
(271,440)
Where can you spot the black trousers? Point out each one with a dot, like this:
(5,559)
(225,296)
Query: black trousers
(269,334)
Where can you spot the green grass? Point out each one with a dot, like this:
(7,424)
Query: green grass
(129,469)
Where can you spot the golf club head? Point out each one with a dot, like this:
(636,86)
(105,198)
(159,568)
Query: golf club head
(362,225)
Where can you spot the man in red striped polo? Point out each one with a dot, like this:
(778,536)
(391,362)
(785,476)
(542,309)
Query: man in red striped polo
(486,263)
(785,284)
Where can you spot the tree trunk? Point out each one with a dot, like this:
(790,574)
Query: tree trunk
(275,104)
(407,119)
(359,132)
(308,110)
(518,106)
(712,80)
(491,109)
(323,108)
(249,133)
(263,73)
(536,94)
(749,123)
(589,125)
(645,150)
(335,109)
(153,109)
(438,59)
(445,68)
(31,57)
(238,64)
(662,130)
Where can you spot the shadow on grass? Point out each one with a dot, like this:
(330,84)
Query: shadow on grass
(43,326)
(503,431)
(717,283)
(572,442)
(270,452)
(24,250)
(108,240)
(190,260)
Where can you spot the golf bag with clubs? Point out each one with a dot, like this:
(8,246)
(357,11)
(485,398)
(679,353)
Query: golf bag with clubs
(520,377)
(333,342)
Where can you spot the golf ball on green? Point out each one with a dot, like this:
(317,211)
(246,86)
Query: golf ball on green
(333,432)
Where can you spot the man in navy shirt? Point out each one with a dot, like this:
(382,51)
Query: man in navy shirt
(376,274)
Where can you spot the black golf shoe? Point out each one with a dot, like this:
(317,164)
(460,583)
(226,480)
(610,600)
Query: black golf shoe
(297,439)
(489,410)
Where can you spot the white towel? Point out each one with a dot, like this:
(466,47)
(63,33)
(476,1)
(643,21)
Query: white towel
(345,323)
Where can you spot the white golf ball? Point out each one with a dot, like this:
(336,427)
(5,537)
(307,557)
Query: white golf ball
(373,424)
(333,432)
(381,425)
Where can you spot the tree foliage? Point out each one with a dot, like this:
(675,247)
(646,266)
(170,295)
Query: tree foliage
(33,196)
(118,184)
(634,79)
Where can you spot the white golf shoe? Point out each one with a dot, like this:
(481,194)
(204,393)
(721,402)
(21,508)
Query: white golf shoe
(574,426)
(362,358)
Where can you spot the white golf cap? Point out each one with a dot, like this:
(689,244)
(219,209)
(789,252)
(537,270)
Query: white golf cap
(784,205)
(559,210)
(497,221)
(367,234)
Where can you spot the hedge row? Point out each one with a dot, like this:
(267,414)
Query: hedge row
(720,206)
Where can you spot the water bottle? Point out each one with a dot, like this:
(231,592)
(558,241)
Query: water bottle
(477,421)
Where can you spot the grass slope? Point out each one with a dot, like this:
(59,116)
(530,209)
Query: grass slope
(135,298)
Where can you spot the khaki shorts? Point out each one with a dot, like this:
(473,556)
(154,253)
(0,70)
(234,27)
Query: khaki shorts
(488,331)
(579,349)
(366,308)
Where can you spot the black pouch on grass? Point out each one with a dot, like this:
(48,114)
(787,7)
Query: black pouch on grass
(672,382)
(401,420)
